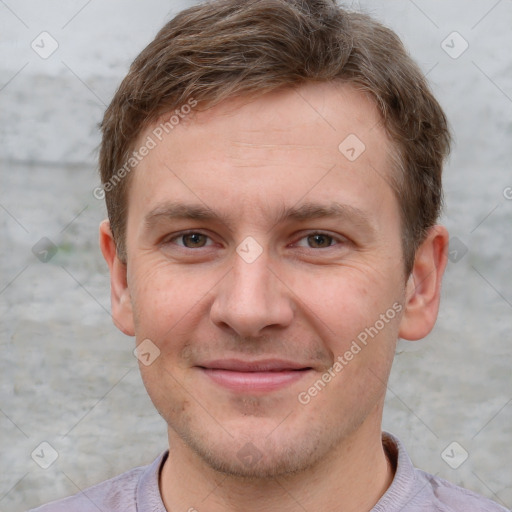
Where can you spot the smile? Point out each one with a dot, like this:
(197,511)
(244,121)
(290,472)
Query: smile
(262,376)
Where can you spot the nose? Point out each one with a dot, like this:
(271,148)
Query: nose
(252,298)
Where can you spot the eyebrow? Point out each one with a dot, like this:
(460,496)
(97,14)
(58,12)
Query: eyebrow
(304,212)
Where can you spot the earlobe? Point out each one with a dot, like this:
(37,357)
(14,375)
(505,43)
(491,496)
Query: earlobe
(122,312)
(423,289)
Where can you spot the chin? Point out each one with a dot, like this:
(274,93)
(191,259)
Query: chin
(250,462)
(252,455)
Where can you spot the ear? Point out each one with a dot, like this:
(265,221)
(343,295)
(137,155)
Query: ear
(423,289)
(122,312)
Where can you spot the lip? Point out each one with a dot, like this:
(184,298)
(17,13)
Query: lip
(264,365)
(254,376)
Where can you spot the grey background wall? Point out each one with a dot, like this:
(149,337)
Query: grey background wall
(69,379)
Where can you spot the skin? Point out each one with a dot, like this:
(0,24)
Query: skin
(304,299)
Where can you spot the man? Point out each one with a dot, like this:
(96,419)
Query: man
(272,174)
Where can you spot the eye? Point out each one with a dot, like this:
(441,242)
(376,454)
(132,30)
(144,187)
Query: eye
(318,241)
(191,240)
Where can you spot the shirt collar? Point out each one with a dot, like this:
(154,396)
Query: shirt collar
(399,493)
(148,497)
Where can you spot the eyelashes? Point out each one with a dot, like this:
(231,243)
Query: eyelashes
(194,240)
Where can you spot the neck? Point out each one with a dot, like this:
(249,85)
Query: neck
(352,477)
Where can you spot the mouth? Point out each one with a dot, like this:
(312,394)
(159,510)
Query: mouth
(254,376)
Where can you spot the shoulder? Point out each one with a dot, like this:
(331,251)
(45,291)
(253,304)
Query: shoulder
(116,494)
(448,497)
(119,494)
(414,490)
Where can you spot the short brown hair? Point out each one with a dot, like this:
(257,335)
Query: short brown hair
(226,48)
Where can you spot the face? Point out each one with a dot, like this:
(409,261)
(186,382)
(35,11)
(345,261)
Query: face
(265,265)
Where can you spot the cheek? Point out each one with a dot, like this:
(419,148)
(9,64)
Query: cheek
(169,301)
(354,305)
(158,296)
(344,297)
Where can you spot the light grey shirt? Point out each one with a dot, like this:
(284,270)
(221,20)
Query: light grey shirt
(412,490)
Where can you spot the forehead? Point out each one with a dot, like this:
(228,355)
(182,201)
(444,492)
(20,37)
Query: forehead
(332,109)
(310,140)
